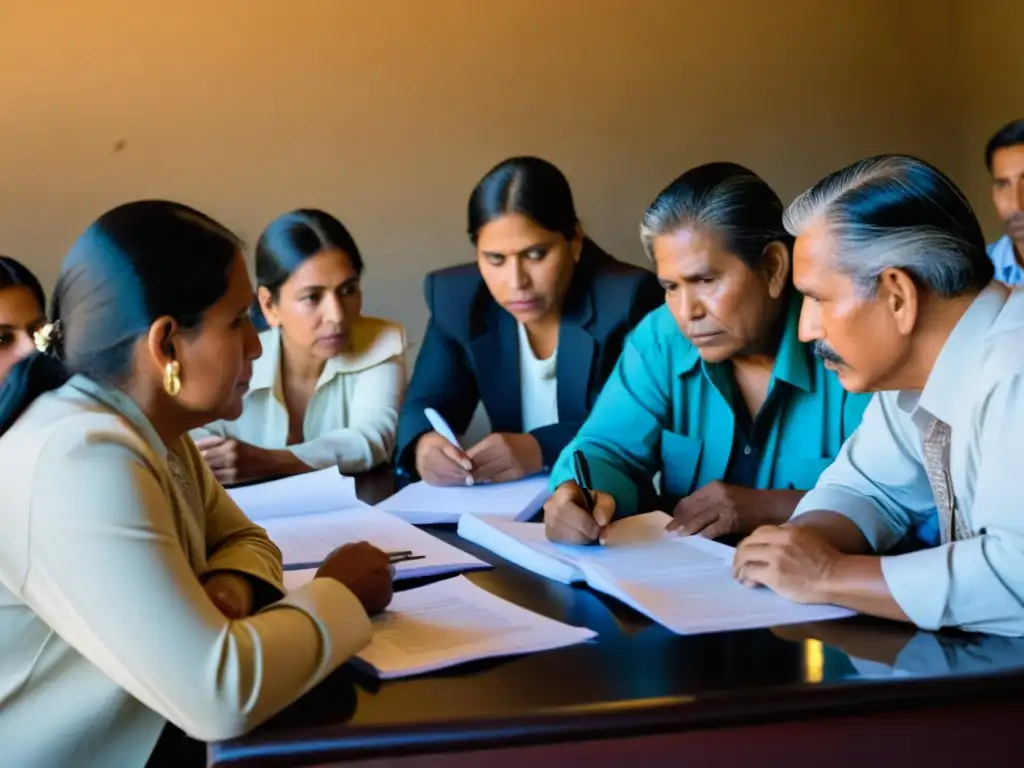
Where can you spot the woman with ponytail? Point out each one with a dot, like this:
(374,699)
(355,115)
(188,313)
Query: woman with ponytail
(133,592)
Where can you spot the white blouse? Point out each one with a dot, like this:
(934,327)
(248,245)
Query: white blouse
(352,417)
(538,385)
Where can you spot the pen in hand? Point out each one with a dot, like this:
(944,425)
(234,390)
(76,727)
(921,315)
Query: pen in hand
(581,471)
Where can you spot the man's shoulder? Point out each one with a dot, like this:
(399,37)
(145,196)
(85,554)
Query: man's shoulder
(1002,350)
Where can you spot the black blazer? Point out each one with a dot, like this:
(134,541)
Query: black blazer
(471,351)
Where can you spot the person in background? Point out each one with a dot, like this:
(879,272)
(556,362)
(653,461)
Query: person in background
(531,329)
(1004,156)
(133,591)
(327,390)
(900,299)
(22,312)
(714,392)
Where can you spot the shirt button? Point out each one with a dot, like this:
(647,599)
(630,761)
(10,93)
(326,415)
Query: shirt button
(746,450)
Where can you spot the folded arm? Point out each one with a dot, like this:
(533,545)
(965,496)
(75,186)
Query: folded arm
(123,543)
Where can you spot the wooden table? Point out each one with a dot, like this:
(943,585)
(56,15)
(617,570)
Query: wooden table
(839,692)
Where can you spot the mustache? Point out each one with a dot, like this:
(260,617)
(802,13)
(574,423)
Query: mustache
(825,352)
(1016,220)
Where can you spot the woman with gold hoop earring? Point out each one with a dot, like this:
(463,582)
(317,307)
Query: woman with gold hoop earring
(125,567)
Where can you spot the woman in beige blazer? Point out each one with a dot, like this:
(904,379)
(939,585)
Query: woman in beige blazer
(133,591)
(328,388)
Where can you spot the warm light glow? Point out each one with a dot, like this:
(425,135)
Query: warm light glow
(814,661)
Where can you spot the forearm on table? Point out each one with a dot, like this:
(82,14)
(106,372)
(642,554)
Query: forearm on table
(838,530)
(856,582)
(281,463)
(776,506)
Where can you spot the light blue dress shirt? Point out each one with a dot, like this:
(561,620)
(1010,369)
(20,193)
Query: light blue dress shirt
(1004,258)
(880,483)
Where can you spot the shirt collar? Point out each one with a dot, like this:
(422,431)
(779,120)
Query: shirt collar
(118,401)
(1004,259)
(373,342)
(792,360)
(955,367)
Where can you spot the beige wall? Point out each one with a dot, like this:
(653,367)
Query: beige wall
(992,62)
(387,112)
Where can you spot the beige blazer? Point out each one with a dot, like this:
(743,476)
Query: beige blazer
(106,632)
(353,415)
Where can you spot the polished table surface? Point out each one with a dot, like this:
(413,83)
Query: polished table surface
(635,678)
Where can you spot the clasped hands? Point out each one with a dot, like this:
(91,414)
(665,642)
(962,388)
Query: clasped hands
(791,560)
(498,458)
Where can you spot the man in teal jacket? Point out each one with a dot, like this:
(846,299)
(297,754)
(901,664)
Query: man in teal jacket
(714,394)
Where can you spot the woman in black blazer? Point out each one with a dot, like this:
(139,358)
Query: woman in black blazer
(532,329)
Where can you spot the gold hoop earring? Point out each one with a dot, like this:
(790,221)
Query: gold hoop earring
(172,378)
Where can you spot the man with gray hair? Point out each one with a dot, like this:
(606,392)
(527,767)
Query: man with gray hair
(899,298)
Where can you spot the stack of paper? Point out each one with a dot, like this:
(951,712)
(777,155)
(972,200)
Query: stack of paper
(308,516)
(322,491)
(683,583)
(422,504)
(454,622)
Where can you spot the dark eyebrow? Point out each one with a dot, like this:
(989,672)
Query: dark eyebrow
(6,327)
(312,288)
(544,245)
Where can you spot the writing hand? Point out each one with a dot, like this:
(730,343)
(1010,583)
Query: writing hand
(439,462)
(567,521)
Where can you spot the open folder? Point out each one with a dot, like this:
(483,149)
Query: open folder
(308,516)
(453,622)
(682,582)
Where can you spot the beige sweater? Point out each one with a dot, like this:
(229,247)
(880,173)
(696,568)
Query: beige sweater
(106,632)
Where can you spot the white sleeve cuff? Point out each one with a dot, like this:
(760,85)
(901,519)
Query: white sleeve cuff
(919,583)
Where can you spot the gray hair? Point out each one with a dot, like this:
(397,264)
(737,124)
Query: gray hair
(723,199)
(896,211)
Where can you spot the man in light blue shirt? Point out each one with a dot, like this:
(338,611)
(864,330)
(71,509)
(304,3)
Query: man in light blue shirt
(899,299)
(1004,156)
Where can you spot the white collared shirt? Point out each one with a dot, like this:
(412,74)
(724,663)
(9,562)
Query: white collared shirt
(351,419)
(538,385)
(879,482)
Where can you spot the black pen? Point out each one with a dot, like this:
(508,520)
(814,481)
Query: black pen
(393,557)
(582,472)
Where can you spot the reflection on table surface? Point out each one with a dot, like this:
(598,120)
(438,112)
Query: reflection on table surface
(635,666)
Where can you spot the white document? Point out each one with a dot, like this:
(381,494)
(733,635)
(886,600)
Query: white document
(422,504)
(682,582)
(309,516)
(306,494)
(454,622)
(310,538)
